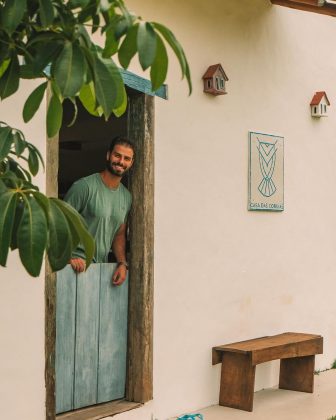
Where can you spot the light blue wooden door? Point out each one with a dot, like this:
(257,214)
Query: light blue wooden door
(91,337)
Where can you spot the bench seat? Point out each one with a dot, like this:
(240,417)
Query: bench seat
(295,350)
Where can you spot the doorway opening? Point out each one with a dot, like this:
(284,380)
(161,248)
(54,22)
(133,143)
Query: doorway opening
(79,151)
(83,147)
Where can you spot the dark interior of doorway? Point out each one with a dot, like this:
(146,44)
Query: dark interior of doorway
(83,146)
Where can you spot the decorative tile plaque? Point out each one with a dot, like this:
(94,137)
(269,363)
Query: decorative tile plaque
(266,172)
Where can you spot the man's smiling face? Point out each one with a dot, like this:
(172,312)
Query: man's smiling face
(120,160)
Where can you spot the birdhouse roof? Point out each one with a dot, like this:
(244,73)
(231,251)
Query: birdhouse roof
(212,70)
(317,98)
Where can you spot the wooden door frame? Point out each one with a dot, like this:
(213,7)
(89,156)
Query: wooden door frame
(139,382)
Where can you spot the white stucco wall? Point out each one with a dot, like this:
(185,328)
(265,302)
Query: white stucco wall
(222,274)
(22,389)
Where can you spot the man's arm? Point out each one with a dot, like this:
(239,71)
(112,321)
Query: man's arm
(119,250)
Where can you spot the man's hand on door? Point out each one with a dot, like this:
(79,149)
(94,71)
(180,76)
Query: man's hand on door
(78,264)
(119,276)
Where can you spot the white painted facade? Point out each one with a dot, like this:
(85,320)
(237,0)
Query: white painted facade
(22,388)
(222,273)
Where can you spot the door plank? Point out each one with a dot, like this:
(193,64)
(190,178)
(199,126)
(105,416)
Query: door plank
(65,338)
(112,337)
(87,327)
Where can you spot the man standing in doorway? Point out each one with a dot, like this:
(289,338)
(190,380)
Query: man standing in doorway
(104,203)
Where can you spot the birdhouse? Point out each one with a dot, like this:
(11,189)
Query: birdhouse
(319,105)
(214,80)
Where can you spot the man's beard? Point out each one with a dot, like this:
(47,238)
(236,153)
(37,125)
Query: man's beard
(111,168)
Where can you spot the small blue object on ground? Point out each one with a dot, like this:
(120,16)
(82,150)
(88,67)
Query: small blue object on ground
(191,417)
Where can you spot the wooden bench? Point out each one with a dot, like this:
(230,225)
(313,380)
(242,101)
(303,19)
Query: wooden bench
(296,351)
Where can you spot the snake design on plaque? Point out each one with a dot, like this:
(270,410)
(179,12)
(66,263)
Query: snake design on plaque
(267,160)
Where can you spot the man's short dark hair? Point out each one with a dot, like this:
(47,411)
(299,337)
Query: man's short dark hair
(123,141)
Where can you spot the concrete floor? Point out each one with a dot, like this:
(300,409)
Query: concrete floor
(277,404)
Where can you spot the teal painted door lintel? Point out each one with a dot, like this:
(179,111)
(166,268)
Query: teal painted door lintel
(143,85)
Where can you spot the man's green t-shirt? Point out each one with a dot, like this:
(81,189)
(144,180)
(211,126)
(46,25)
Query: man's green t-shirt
(104,210)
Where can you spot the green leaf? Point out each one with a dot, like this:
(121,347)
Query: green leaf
(111,44)
(26,185)
(56,90)
(117,81)
(33,162)
(54,116)
(78,3)
(159,67)
(5,141)
(4,48)
(121,28)
(174,44)
(88,99)
(70,69)
(146,42)
(7,212)
(104,86)
(84,36)
(32,236)
(11,180)
(4,66)
(95,23)
(16,223)
(178,50)
(3,187)
(128,48)
(33,102)
(74,235)
(127,15)
(75,107)
(60,243)
(78,225)
(46,53)
(87,12)
(19,143)
(37,152)
(27,72)
(46,12)
(43,201)
(9,82)
(43,38)
(12,14)
(120,110)
(18,170)
(188,76)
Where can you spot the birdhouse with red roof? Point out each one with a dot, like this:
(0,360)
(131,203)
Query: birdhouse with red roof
(319,105)
(214,80)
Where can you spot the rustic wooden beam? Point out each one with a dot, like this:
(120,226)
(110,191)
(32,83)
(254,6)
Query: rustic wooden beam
(100,411)
(307,2)
(139,386)
(50,286)
(305,6)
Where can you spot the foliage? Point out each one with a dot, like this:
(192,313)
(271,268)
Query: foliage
(54,34)
(51,40)
(30,221)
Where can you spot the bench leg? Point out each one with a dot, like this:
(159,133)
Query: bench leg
(297,374)
(237,382)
